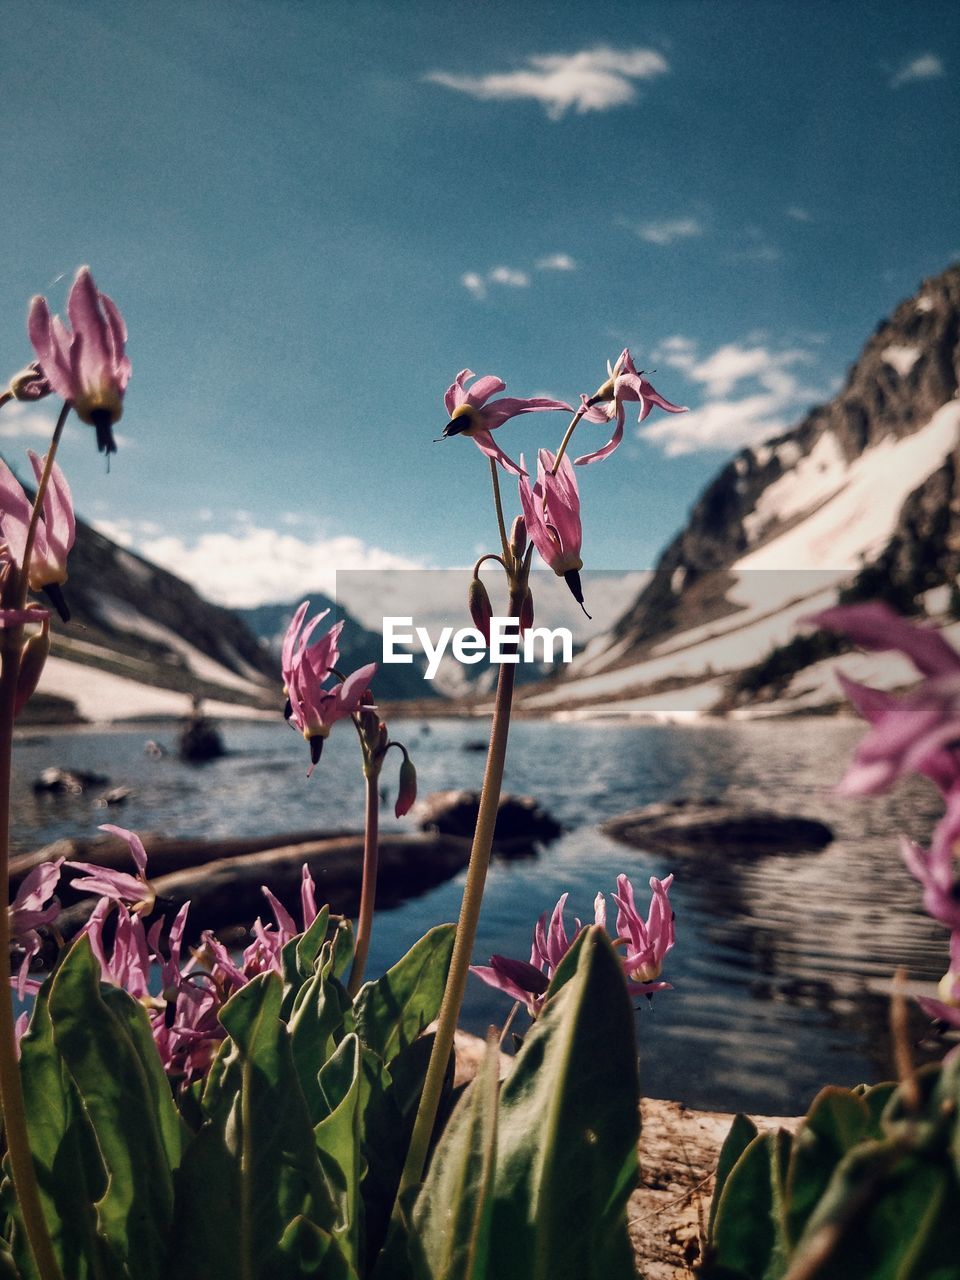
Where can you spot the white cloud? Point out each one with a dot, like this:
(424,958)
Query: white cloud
(767,406)
(556,262)
(259,565)
(668,230)
(797,213)
(928,66)
(474,284)
(20,421)
(591,80)
(509,276)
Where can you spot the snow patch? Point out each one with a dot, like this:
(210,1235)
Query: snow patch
(810,482)
(902,359)
(925,303)
(124,617)
(101,696)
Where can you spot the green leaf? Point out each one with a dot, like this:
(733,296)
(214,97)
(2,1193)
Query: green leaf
(742,1133)
(127,1101)
(882,1212)
(749,1236)
(307,1252)
(207,1193)
(837,1121)
(453,1211)
(267,1128)
(338,1141)
(342,943)
(567,1136)
(70,1172)
(298,958)
(393,1011)
(321,1016)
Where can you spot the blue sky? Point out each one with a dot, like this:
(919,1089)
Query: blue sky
(313,215)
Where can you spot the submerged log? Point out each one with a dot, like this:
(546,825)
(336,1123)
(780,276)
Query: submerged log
(704,826)
(165,854)
(228,891)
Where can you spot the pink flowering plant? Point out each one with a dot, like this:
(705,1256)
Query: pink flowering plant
(172,1105)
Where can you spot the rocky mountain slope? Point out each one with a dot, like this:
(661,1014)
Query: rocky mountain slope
(861,499)
(141,642)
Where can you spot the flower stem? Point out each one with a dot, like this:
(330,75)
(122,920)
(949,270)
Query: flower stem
(504,542)
(566,440)
(11,1089)
(466,930)
(368,888)
(38,504)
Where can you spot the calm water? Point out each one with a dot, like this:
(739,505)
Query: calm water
(778,958)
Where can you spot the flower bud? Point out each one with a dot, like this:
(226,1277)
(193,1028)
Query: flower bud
(408,787)
(526,613)
(30,383)
(481,610)
(518,537)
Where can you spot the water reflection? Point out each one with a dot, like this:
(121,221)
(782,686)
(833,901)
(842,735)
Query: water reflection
(779,958)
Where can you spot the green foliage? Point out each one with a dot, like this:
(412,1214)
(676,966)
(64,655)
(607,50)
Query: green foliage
(286,1164)
(867,1189)
(392,1012)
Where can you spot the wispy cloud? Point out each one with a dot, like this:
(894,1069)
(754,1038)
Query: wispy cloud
(255,565)
(556,262)
(513,277)
(21,421)
(510,276)
(798,214)
(751,392)
(927,66)
(667,230)
(595,79)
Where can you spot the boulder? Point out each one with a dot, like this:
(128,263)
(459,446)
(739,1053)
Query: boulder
(713,825)
(520,819)
(67,782)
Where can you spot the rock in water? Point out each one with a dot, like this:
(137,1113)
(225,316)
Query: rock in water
(705,826)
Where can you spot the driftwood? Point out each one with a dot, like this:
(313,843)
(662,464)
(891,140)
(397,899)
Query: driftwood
(226,891)
(165,854)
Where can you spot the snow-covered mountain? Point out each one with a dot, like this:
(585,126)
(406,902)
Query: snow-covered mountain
(141,642)
(861,499)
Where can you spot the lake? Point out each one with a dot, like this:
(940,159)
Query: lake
(779,962)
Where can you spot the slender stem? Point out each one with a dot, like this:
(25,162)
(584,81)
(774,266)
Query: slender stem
(368,889)
(38,503)
(483,559)
(5,397)
(566,440)
(11,1089)
(504,542)
(466,931)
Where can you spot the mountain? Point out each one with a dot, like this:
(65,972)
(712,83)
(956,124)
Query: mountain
(357,646)
(141,642)
(861,499)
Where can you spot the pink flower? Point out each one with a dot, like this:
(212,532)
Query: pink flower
(55,532)
(87,366)
(624,383)
(648,941)
(312,706)
(910,734)
(33,906)
(646,944)
(119,886)
(551,510)
(470,415)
